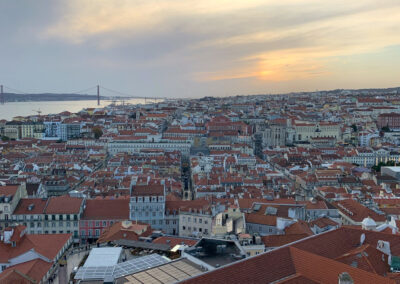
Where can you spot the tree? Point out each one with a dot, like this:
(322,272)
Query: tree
(5,138)
(97,132)
(354,127)
(378,167)
(386,129)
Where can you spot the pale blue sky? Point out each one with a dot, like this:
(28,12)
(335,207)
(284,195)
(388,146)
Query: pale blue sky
(186,48)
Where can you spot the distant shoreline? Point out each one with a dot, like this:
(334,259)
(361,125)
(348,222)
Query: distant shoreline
(48,97)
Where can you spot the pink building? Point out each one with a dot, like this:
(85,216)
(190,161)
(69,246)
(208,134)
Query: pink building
(99,214)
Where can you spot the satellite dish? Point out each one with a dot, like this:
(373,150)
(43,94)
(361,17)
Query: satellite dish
(362,239)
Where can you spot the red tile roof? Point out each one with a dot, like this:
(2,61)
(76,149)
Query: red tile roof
(148,190)
(260,219)
(120,231)
(7,190)
(280,240)
(37,204)
(310,259)
(106,209)
(356,211)
(64,205)
(46,245)
(173,241)
(35,269)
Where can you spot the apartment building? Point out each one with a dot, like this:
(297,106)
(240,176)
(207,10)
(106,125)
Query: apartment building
(55,215)
(10,196)
(147,205)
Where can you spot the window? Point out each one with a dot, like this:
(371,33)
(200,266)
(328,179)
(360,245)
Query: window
(206,231)
(104,223)
(68,224)
(200,220)
(83,233)
(68,217)
(166,222)
(153,222)
(32,224)
(97,232)
(183,228)
(160,222)
(97,223)
(60,217)
(154,214)
(53,217)
(205,221)
(53,224)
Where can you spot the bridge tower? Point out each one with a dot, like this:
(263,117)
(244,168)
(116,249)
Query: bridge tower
(98,95)
(2,100)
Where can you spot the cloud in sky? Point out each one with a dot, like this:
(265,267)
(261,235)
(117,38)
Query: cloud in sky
(198,48)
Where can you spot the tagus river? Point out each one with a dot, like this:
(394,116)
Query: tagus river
(13,109)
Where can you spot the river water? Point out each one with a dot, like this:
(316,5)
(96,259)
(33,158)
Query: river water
(13,109)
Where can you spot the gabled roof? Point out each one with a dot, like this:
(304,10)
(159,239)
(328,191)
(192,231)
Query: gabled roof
(46,245)
(310,259)
(30,206)
(34,270)
(64,205)
(106,209)
(357,211)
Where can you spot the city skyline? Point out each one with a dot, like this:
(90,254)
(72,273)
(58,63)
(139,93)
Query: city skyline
(190,49)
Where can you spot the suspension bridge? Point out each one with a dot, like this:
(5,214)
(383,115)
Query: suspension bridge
(93,91)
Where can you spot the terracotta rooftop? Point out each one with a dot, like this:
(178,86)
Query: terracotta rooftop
(27,271)
(30,206)
(312,260)
(106,209)
(46,245)
(356,211)
(64,205)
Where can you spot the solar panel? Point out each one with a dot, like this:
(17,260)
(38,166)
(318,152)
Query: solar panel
(123,268)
